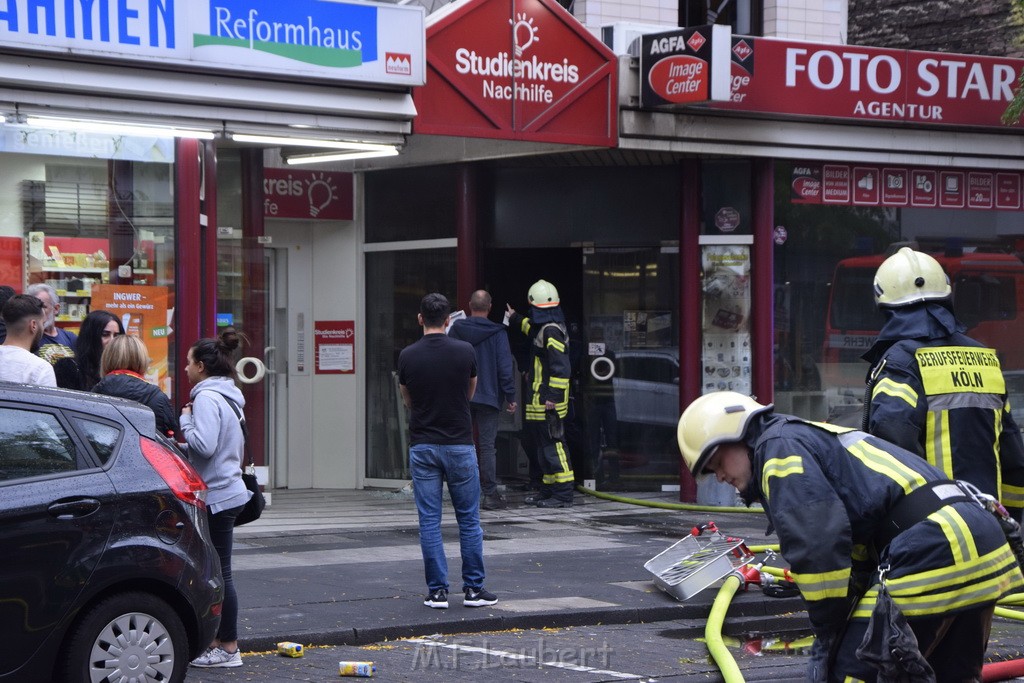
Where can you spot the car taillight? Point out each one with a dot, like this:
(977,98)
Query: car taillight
(179,475)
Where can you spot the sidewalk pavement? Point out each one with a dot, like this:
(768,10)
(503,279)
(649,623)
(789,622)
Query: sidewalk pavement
(344,568)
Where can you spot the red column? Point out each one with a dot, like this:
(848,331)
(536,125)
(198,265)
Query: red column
(188,271)
(689,302)
(467,252)
(254,295)
(208,211)
(762,278)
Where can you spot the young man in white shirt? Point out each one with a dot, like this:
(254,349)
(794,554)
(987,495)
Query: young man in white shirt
(24,317)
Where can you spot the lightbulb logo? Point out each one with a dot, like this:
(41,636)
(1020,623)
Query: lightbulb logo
(321,192)
(524,33)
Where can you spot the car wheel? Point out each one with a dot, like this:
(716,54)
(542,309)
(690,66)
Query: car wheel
(127,637)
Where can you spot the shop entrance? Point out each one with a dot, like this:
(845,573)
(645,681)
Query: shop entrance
(288,260)
(621,308)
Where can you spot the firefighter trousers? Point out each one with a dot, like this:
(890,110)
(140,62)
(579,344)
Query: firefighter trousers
(557,478)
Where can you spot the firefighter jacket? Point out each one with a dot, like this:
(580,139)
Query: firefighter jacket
(828,491)
(550,368)
(939,393)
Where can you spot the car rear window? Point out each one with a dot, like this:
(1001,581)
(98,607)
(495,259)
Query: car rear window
(101,436)
(33,444)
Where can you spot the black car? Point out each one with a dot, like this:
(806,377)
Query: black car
(108,572)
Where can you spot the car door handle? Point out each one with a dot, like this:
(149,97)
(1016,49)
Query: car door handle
(75,507)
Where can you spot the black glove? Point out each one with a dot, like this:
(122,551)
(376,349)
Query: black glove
(556,428)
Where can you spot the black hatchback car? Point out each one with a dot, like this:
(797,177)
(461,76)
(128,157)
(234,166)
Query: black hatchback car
(108,572)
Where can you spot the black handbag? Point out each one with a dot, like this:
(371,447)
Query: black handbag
(254,507)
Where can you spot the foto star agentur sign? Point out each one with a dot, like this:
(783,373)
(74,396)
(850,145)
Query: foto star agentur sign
(865,83)
(519,70)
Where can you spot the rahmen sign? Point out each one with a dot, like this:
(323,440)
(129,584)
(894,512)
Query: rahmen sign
(519,70)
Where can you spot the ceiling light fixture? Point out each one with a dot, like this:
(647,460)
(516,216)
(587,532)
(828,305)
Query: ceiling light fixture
(284,141)
(381,151)
(115,128)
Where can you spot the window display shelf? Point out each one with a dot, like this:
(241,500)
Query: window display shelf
(68,269)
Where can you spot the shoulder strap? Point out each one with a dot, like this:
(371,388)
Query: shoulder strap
(241,423)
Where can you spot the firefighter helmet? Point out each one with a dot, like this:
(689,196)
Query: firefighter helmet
(910,277)
(543,294)
(713,419)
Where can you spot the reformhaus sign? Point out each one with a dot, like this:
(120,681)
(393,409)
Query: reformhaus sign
(357,42)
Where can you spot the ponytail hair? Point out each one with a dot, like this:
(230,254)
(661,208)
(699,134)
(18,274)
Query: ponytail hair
(217,353)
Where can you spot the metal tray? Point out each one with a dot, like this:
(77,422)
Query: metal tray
(694,563)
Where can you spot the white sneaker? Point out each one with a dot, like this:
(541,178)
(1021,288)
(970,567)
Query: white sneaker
(216,658)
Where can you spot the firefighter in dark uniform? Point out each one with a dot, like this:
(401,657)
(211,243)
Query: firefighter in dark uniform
(935,391)
(547,403)
(839,499)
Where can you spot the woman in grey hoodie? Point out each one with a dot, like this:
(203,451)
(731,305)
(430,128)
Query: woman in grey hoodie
(216,444)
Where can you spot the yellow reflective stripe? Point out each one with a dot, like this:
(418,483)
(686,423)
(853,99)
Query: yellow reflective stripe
(555,344)
(997,561)
(524,325)
(876,459)
(1012,495)
(889,386)
(961,542)
(851,679)
(780,467)
(559,382)
(835,429)
(822,585)
(937,446)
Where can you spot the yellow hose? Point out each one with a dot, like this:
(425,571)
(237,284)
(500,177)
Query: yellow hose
(1007,613)
(669,506)
(713,631)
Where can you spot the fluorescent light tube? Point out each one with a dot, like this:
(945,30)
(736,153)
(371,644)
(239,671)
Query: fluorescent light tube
(299,159)
(112,128)
(308,142)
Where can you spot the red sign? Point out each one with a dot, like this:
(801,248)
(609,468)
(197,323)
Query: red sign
(866,188)
(519,70)
(923,188)
(318,195)
(895,187)
(919,187)
(1008,190)
(335,344)
(865,83)
(951,193)
(836,184)
(979,190)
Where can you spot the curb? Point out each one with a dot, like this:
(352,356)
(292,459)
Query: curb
(756,614)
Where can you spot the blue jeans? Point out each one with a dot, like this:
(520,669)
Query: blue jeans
(485,419)
(431,465)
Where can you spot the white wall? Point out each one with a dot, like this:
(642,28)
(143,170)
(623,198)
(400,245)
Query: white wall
(813,20)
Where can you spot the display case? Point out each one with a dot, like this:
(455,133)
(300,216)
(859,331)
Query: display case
(72,266)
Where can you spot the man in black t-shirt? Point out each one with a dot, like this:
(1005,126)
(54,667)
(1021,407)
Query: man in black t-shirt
(438,377)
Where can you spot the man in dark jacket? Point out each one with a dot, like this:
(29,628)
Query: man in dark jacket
(844,503)
(935,391)
(495,382)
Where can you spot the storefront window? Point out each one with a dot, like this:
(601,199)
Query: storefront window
(828,251)
(99,231)
(395,283)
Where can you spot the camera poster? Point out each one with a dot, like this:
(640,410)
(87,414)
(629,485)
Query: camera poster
(647,329)
(726,347)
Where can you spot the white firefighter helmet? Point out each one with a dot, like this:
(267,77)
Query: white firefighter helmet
(543,294)
(713,419)
(910,277)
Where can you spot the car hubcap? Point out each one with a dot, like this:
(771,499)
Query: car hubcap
(132,647)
